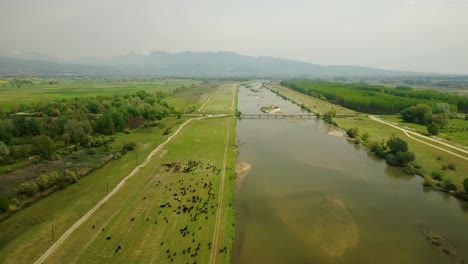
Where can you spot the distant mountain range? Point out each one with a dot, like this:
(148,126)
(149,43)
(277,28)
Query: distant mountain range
(185,64)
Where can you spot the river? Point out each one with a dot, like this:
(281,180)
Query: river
(311,197)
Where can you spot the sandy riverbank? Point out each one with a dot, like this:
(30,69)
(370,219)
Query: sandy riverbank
(242,169)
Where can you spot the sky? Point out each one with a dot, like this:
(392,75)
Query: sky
(413,35)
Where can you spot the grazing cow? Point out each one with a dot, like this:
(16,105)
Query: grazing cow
(108,238)
(133,219)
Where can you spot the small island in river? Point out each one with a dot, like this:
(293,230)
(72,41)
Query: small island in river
(270,109)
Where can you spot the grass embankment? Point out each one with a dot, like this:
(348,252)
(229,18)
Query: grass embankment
(191,99)
(28,233)
(429,158)
(221,102)
(55,89)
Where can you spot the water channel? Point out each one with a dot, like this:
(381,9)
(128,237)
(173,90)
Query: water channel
(312,197)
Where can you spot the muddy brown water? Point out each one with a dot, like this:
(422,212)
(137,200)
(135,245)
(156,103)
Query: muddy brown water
(311,197)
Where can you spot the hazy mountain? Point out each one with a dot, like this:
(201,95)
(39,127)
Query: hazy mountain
(14,66)
(190,64)
(30,56)
(231,64)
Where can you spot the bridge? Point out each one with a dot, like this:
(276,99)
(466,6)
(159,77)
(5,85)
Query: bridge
(272,116)
(253,116)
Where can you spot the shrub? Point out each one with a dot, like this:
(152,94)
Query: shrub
(69,177)
(465,185)
(28,188)
(437,175)
(428,181)
(4,204)
(448,185)
(352,132)
(129,146)
(91,151)
(365,137)
(433,129)
(377,148)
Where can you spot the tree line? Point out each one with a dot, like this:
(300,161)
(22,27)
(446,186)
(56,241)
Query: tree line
(375,99)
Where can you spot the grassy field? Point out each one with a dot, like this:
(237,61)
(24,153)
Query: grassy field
(430,159)
(221,101)
(70,88)
(460,137)
(154,235)
(192,98)
(27,234)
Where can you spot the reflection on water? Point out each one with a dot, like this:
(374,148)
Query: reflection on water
(314,198)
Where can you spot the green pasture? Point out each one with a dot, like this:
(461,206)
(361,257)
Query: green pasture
(223,101)
(457,136)
(190,98)
(28,233)
(70,88)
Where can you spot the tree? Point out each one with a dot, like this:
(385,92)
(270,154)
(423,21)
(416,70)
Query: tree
(433,129)
(420,113)
(441,119)
(441,108)
(397,145)
(465,185)
(44,146)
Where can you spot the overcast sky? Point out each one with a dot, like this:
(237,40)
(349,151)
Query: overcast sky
(417,35)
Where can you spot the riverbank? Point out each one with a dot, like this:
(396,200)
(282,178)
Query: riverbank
(242,169)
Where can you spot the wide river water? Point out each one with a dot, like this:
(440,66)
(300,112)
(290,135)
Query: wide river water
(312,197)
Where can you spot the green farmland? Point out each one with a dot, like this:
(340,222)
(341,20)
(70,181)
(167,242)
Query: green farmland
(177,208)
(40,90)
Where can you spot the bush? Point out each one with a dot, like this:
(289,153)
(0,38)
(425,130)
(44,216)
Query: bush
(400,158)
(69,177)
(465,185)
(365,137)
(450,166)
(91,151)
(352,132)
(129,146)
(127,131)
(448,185)
(28,188)
(437,175)
(377,148)
(428,181)
(433,129)
(4,204)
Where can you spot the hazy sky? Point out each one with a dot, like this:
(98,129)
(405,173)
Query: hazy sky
(418,35)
